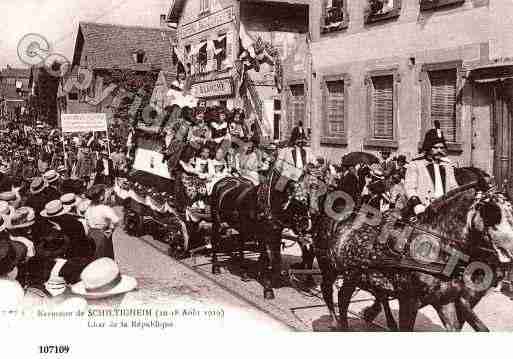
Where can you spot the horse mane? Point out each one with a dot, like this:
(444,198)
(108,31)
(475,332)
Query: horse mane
(447,215)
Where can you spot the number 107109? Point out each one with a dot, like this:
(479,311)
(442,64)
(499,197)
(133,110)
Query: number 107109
(54,349)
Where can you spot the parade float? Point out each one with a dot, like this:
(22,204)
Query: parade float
(149,191)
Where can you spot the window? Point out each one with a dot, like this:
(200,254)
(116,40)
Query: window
(335,108)
(378,10)
(220,50)
(202,57)
(382,108)
(277,105)
(276,126)
(443,101)
(73,96)
(440,84)
(276,119)
(334,16)
(204,7)
(296,105)
(435,4)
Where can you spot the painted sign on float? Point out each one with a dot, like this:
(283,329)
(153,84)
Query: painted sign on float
(212,89)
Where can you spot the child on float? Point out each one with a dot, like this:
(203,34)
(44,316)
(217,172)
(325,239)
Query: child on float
(194,188)
(236,127)
(217,168)
(201,169)
(220,127)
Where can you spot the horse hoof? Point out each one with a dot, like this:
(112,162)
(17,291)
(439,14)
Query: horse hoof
(216,270)
(269,294)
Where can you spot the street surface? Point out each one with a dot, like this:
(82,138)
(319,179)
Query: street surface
(163,279)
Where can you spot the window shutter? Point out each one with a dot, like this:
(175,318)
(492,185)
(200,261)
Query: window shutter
(296,106)
(443,101)
(383,107)
(335,107)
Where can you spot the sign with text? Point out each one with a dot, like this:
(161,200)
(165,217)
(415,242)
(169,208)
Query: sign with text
(216,19)
(214,88)
(84,122)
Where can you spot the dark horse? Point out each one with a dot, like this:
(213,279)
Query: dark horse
(386,259)
(263,212)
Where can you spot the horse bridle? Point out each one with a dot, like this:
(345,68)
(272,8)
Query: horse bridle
(480,198)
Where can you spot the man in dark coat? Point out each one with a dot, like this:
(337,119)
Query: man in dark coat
(350,183)
(52,191)
(37,198)
(58,215)
(298,133)
(105,170)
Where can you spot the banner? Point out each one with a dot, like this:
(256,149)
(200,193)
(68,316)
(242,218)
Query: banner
(150,161)
(84,122)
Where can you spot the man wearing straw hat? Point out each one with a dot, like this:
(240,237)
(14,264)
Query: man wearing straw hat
(58,215)
(52,191)
(19,227)
(37,198)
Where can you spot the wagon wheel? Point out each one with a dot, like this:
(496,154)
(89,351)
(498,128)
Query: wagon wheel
(178,237)
(133,223)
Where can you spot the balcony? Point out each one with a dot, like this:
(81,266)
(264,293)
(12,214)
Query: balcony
(435,4)
(336,19)
(380,10)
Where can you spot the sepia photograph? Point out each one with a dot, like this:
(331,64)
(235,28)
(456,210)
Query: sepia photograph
(254,168)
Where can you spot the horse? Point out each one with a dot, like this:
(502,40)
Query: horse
(261,211)
(476,224)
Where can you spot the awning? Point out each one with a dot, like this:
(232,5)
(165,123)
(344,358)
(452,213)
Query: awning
(491,73)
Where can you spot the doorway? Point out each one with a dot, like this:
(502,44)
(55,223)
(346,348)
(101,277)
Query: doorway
(503,133)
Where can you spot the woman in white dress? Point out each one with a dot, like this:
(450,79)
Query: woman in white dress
(217,169)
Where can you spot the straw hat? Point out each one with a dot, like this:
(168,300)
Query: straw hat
(101,279)
(37,185)
(70,199)
(54,208)
(21,218)
(51,176)
(8,196)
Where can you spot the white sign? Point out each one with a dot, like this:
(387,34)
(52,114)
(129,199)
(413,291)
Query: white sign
(84,122)
(216,19)
(151,162)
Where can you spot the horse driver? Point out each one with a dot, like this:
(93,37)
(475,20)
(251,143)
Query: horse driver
(430,176)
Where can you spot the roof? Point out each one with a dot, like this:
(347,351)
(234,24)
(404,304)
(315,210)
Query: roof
(15,72)
(108,46)
(177,6)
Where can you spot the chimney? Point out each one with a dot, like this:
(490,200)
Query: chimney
(163,22)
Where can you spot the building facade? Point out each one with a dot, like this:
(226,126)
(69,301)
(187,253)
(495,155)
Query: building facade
(212,35)
(384,71)
(14,92)
(120,64)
